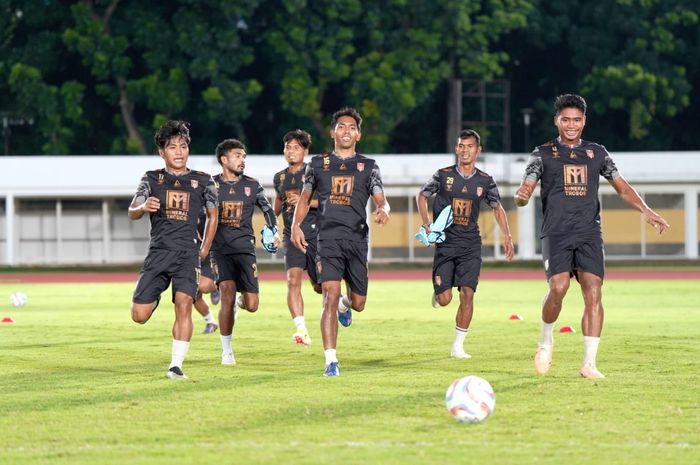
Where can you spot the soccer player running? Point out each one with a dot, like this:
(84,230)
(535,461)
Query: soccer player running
(457,260)
(234,243)
(173,197)
(207,284)
(288,184)
(569,170)
(343,181)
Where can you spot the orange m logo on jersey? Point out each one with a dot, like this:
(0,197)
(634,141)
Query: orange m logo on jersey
(461,211)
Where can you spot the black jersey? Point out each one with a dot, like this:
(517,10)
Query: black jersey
(569,185)
(343,187)
(464,195)
(236,201)
(182,198)
(286,182)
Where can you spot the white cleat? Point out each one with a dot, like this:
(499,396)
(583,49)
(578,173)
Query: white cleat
(434,301)
(302,337)
(543,359)
(459,353)
(591,372)
(227,358)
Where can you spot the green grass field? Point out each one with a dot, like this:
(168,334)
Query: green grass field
(81,384)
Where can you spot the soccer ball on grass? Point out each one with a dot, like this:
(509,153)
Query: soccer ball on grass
(18,299)
(470,399)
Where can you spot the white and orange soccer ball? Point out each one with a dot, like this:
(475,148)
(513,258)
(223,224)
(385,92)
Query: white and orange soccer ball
(18,299)
(470,399)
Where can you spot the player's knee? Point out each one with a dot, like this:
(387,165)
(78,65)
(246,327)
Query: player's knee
(559,287)
(294,282)
(138,314)
(358,303)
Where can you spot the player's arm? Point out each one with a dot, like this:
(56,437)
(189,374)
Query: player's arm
(300,212)
(209,231)
(278,206)
(502,220)
(632,198)
(533,172)
(422,203)
(143,202)
(381,213)
(268,212)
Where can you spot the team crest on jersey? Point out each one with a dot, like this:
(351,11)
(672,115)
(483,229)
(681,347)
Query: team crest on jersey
(575,180)
(479,191)
(194,183)
(341,190)
(360,167)
(461,210)
(590,153)
(247,191)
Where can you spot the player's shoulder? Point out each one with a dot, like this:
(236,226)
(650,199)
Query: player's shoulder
(199,174)
(366,160)
(547,146)
(278,175)
(248,179)
(155,173)
(587,144)
(318,159)
(483,174)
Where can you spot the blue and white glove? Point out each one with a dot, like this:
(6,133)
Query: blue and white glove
(437,228)
(267,237)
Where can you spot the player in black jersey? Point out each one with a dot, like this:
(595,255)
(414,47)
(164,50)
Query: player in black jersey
(457,261)
(207,283)
(569,171)
(343,181)
(173,197)
(288,184)
(234,243)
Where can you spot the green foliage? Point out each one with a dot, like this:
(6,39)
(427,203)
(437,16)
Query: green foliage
(83,384)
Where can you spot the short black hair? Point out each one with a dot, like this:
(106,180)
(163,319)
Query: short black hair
(226,145)
(301,136)
(172,128)
(467,133)
(569,101)
(347,111)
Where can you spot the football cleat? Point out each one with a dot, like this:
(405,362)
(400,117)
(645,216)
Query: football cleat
(240,302)
(345,318)
(332,369)
(227,358)
(591,372)
(302,337)
(175,373)
(434,301)
(215,296)
(210,328)
(543,359)
(458,352)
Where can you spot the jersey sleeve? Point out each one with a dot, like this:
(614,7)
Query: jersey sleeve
(492,196)
(376,186)
(277,184)
(608,169)
(265,207)
(211,196)
(143,191)
(535,167)
(431,187)
(309,179)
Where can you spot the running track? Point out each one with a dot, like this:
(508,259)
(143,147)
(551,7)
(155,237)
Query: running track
(99,277)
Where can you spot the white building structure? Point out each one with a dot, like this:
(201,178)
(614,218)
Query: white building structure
(65,210)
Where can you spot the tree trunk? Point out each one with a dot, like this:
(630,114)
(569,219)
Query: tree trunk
(127,110)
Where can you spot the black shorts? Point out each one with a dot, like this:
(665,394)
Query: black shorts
(571,254)
(456,267)
(162,266)
(209,268)
(240,268)
(341,259)
(295,258)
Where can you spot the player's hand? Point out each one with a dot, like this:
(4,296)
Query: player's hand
(152,204)
(381,216)
(651,217)
(292,198)
(276,240)
(508,248)
(298,239)
(523,194)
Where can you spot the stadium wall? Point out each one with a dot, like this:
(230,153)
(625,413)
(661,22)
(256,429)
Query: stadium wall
(65,210)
